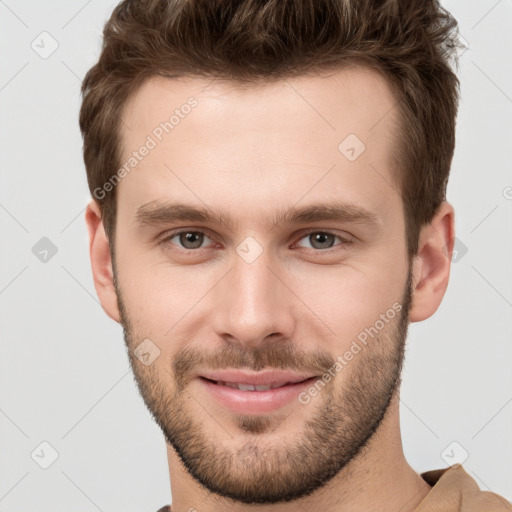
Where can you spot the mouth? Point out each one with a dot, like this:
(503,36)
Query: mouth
(251,398)
(257,387)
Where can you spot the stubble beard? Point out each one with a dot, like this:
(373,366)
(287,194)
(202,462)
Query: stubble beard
(250,467)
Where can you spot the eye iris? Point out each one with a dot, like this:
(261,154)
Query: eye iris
(191,237)
(321,238)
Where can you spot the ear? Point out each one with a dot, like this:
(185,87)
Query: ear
(101,261)
(431,266)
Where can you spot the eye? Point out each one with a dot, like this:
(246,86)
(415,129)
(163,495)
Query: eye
(189,240)
(323,240)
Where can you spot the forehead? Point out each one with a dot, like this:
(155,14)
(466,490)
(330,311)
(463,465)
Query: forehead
(353,97)
(316,134)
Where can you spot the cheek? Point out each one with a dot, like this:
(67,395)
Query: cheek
(162,299)
(349,299)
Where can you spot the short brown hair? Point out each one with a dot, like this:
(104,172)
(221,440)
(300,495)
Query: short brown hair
(410,41)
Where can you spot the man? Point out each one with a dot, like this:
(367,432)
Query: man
(268,215)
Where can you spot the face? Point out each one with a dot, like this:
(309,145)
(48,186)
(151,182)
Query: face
(262,232)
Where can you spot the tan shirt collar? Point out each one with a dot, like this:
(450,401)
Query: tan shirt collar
(455,491)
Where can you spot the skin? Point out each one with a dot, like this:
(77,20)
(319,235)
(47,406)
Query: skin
(252,152)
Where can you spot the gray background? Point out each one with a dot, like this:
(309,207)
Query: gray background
(64,373)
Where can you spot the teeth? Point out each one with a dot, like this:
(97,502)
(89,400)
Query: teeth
(262,388)
(247,387)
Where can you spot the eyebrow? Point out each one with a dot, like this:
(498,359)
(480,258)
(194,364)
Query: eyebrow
(157,212)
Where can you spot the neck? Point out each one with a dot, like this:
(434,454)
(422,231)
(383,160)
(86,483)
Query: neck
(377,479)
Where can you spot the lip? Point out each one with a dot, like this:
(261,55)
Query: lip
(253,402)
(267,378)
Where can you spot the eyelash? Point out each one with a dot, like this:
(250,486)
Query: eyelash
(166,240)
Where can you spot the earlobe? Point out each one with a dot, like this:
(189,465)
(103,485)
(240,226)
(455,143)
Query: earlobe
(431,266)
(101,262)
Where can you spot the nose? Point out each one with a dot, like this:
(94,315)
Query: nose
(253,304)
